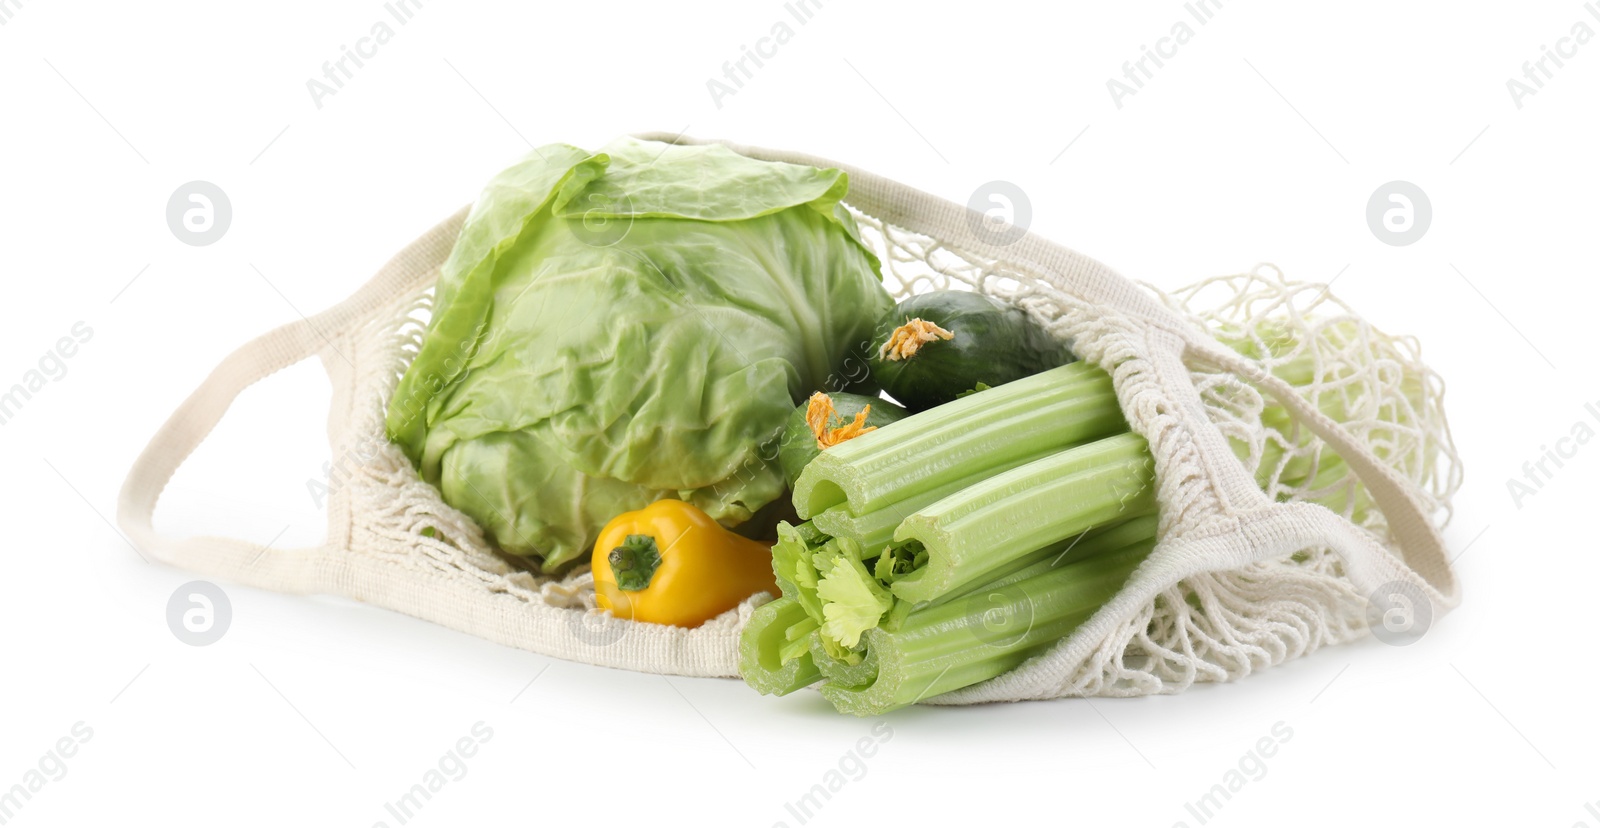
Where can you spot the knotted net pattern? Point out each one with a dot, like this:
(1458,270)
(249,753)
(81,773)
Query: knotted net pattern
(1214,626)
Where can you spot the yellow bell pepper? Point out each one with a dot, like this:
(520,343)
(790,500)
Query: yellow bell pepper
(670,563)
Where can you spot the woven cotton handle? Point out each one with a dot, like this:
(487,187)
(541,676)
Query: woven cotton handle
(1409,521)
(287,570)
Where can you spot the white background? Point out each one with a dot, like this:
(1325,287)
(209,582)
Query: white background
(1261,140)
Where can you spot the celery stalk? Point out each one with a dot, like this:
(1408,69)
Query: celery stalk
(972,534)
(1097,541)
(875,529)
(1054,409)
(762,644)
(953,645)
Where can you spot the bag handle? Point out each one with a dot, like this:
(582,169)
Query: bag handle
(1420,542)
(287,570)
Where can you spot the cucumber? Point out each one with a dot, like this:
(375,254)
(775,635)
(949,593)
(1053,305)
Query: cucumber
(989,342)
(799,445)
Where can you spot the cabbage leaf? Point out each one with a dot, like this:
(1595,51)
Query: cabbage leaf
(617,327)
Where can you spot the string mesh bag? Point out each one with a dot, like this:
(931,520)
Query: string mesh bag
(1257,395)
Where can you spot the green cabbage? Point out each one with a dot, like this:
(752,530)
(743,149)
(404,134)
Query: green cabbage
(618,327)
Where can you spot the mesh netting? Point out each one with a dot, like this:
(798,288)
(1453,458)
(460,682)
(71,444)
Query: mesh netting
(1209,627)
(1224,625)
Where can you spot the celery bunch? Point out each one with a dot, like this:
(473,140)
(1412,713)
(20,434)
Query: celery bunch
(948,547)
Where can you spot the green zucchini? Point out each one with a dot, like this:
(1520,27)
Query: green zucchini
(934,347)
(800,444)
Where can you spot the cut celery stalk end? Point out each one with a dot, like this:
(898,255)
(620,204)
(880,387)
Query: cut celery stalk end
(977,532)
(1102,540)
(797,640)
(921,453)
(902,682)
(761,644)
(835,670)
(947,647)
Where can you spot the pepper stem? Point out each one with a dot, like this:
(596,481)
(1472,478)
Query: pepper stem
(634,563)
(906,340)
